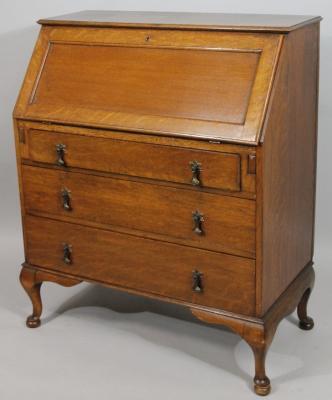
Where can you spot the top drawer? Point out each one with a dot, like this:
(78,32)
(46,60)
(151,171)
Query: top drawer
(199,168)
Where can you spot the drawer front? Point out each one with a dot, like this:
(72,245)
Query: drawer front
(165,269)
(167,163)
(205,220)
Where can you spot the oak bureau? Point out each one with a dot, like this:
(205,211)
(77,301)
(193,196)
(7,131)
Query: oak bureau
(173,155)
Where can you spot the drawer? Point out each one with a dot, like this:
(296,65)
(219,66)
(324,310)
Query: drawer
(200,219)
(165,269)
(174,164)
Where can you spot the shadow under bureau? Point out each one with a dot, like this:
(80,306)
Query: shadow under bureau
(174,156)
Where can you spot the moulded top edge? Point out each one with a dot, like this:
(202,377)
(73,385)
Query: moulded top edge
(177,20)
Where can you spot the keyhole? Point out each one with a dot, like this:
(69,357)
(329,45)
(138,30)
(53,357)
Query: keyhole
(147,38)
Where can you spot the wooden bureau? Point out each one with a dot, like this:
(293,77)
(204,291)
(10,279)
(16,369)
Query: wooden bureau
(174,156)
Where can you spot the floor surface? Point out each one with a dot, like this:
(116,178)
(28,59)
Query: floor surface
(96,343)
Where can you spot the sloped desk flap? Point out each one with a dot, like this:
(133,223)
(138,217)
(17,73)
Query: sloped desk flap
(208,85)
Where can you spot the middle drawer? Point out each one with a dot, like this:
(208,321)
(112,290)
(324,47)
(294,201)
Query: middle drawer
(205,220)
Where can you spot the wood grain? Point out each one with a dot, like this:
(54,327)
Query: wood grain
(143,264)
(166,163)
(248,181)
(228,226)
(233,127)
(288,167)
(107,74)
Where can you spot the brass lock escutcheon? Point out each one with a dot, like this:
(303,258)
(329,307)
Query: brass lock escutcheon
(196,171)
(197,281)
(60,151)
(198,223)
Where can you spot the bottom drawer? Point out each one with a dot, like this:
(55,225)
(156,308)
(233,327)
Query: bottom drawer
(150,266)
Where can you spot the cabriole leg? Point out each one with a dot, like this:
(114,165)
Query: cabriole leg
(31,280)
(305,322)
(259,332)
(32,288)
(262,384)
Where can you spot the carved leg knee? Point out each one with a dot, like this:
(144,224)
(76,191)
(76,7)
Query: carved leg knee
(32,288)
(306,323)
(31,280)
(262,384)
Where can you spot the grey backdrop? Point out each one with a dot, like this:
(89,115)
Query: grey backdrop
(217,362)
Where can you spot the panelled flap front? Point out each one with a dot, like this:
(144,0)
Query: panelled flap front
(211,85)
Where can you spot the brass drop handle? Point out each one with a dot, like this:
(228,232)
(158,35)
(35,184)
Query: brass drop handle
(196,170)
(198,222)
(60,151)
(197,281)
(67,252)
(66,204)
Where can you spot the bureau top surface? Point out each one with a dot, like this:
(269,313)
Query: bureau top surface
(181,20)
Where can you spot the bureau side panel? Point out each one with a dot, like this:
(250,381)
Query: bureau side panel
(19,125)
(288,167)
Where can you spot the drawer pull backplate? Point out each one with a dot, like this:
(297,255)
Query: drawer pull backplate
(60,151)
(196,170)
(198,221)
(197,281)
(65,194)
(67,251)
